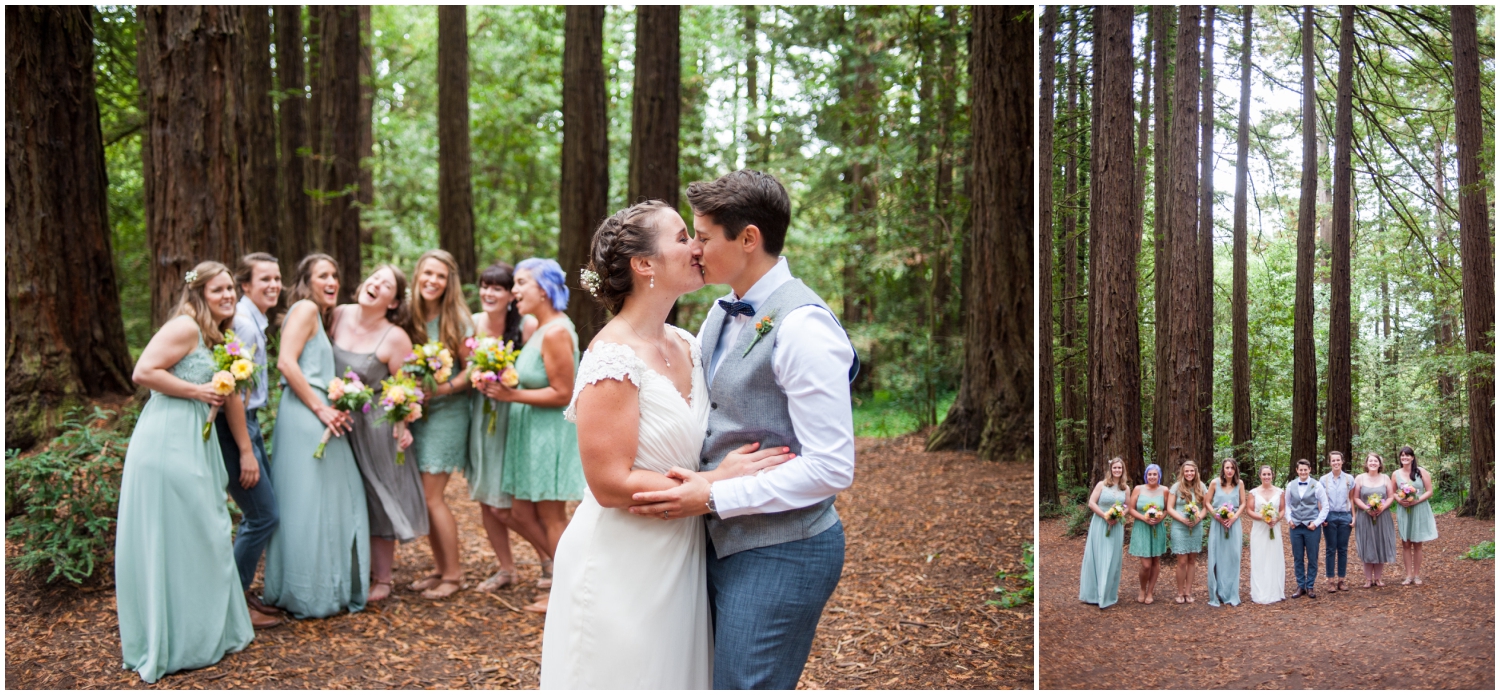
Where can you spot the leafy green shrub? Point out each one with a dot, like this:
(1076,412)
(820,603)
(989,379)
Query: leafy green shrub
(1049,510)
(68,493)
(1024,595)
(1078,521)
(1483,551)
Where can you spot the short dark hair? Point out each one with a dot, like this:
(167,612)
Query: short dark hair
(742,198)
(1303,462)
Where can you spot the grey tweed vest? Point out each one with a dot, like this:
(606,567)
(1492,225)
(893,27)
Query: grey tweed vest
(746,406)
(1305,508)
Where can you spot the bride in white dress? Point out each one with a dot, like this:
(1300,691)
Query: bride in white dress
(1267,559)
(629,601)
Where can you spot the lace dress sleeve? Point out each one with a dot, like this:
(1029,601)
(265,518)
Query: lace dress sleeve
(693,347)
(604,361)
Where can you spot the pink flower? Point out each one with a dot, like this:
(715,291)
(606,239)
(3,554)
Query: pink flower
(233,348)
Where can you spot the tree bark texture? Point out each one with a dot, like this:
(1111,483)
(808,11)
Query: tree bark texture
(294,242)
(1205,451)
(751,17)
(1478,260)
(262,223)
(1142,142)
(1114,372)
(366,123)
(993,410)
(1181,429)
(656,105)
(1097,67)
(1074,360)
(64,336)
(1047,407)
(1164,21)
(1338,433)
(1240,301)
(337,80)
(1304,368)
(584,185)
(455,187)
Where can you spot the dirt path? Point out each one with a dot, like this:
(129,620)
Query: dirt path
(896,621)
(1439,635)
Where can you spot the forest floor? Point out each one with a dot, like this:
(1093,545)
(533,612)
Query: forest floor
(1438,635)
(927,533)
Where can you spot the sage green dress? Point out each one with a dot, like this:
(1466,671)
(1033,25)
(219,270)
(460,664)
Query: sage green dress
(487,452)
(1185,540)
(1225,550)
(1099,579)
(318,562)
(1416,523)
(177,589)
(1144,543)
(440,438)
(541,448)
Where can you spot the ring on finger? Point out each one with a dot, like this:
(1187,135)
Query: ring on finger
(664,515)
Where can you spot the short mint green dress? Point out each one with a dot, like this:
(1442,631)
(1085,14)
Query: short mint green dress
(1185,540)
(440,438)
(318,561)
(1099,578)
(177,589)
(1144,543)
(541,448)
(1225,549)
(1416,523)
(487,451)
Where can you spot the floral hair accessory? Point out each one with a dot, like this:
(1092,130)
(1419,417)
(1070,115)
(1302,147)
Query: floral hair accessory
(190,277)
(590,280)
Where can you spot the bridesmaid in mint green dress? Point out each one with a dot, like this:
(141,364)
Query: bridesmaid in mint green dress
(318,563)
(1414,520)
(1099,578)
(440,438)
(1186,540)
(1148,539)
(542,468)
(177,589)
(1226,540)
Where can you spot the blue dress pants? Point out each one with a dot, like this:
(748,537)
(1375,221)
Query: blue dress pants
(1305,543)
(257,504)
(1336,542)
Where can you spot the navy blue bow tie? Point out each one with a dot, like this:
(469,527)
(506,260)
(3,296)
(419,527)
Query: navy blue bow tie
(736,308)
(1302,482)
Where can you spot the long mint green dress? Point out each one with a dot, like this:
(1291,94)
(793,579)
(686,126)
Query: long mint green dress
(1099,579)
(1143,543)
(1416,523)
(1223,566)
(177,589)
(318,562)
(440,438)
(1185,540)
(541,448)
(487,452)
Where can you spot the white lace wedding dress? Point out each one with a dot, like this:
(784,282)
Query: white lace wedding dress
(629,601)
(1267,556)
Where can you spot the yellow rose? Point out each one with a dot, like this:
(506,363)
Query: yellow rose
(242,369)
(510,378)
(443,375)
(396,394)
(223,383)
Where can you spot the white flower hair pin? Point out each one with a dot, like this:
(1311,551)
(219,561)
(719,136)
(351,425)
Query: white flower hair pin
(190,277)
(590,280)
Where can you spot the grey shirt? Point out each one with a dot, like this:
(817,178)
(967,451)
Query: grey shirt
(250,327)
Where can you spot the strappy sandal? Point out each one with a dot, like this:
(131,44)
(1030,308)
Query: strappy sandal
(388,589)
(546,581)
(437,592)
(538,606)
(1180,600)
(427,582)
(1189,598)
(499,580)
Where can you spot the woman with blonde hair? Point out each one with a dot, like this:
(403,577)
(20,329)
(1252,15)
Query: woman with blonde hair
(1225,544)
(441,437)
(1099,578)
(177,588)
(1186,529)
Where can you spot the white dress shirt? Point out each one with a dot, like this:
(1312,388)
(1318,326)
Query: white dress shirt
(1301,489)
(250,327)
(1338,491)
(811,367)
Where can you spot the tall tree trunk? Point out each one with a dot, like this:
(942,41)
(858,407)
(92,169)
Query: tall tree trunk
(1304,368)
(190,60)
(65,339)
(861,113)
(1142,144)
(943,178)
(367,124)
(1205,452)
(294,240)
(1182,429)
(259,162)
(656,104)
(1478,263)
(1114,343)
(1339,426)
(993,411)
(337,80)
(1092,100)
(1165,24)
(584,186)
(1074,360)
(1047,475)
(1240,302)
(750,14)
(455,187)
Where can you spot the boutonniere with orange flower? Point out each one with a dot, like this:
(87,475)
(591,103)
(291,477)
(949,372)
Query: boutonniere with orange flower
(762,327)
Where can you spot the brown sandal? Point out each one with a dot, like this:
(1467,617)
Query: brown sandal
(437,592)
(388,589)
(426,582)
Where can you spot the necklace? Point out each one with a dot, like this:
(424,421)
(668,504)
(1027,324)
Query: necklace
(653,344)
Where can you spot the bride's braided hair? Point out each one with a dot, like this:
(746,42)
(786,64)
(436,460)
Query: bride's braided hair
(624,235)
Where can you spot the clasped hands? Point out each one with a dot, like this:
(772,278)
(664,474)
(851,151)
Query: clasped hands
(690,496)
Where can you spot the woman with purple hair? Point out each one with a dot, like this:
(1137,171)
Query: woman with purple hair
(1148,535)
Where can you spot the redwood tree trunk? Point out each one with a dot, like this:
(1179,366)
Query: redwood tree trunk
(1304,369)
(1205,451)
(366,123)
(1478,263)
(1181,429)
(293,244)
(1074,360)
(262,224)
(1339,426)
(65,340)
(1240,302)
(656,105)
(337,81)
(993,411)
(1160,265)
(455,187)
(1047,475)
(584,186)
(1142,145)
(1114,343)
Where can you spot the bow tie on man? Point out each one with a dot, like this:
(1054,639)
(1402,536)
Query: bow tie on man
(736,308)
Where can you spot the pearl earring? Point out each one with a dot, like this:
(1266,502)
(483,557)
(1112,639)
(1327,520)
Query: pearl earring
(653,282)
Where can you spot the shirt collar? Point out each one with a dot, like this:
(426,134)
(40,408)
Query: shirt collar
(774,278)
(254,312)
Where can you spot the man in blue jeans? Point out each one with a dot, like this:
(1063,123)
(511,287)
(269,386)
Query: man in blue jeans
(1307,507)
(1339,487)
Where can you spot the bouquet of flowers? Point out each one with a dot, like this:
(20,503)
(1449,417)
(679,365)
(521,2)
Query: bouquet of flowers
(1406,492)
(344,394)
(1114,513)
(233,371)
(1190,510)
(1374,501)
(402,400)
(492,360)
(431,363)
(1268,513)
(1153,513)
(1225,511)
